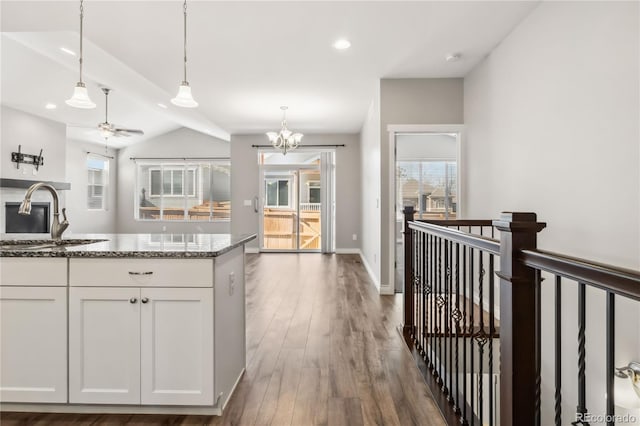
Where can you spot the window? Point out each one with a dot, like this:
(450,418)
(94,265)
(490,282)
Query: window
(314,191)
(430,187)
(183,190)
(98,178)
(172,182)
(277,192)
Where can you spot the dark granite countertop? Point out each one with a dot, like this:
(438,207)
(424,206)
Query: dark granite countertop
(122,245)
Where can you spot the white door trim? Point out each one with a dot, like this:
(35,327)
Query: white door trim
(393,130)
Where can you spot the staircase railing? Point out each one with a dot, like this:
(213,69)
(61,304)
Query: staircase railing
(469,332)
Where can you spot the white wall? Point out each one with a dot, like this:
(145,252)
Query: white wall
(245,181)
(33,133)
(370,182)
(552,120)
(179,143)
(81,219)
(409,101)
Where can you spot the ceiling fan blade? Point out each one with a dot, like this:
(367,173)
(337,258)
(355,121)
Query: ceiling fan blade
(130,131)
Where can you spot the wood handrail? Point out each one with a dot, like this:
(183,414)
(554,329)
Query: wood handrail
(457,222)
(621,281)
(490,245)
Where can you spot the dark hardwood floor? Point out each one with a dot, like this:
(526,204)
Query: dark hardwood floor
(322,349)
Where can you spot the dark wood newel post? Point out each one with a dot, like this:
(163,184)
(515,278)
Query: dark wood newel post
(408,268)
(518,375)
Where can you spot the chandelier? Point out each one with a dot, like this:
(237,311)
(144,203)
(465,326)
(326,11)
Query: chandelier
(285,140)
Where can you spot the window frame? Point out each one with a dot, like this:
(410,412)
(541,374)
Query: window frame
(91,184)
(289,193)
(198,185)
(183,170)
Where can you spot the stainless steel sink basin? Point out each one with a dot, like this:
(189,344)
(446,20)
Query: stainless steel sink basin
(44,244)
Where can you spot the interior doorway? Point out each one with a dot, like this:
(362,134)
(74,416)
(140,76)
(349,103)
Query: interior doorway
(296,201)
(426,178)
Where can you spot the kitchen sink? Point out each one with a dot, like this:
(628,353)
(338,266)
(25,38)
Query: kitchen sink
(44,244)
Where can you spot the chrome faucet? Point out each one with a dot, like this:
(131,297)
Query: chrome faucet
(57,228)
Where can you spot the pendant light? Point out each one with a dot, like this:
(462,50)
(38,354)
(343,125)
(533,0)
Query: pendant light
(184,97)
(80,98)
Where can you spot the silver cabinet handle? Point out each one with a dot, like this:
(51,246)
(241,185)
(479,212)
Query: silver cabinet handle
(144,300)
(141,273)
(133,300)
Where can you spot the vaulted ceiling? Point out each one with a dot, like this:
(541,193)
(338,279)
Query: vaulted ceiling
(245,58)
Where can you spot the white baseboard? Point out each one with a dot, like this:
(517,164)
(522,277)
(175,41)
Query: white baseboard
(252,250)
(369,270)
(347,251)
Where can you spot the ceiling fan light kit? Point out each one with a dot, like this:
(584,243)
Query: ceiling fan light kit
(80,98)
(107,129)
(184,98)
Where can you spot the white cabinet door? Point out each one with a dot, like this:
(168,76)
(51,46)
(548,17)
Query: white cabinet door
(177,346)
(33,338)
(104,345)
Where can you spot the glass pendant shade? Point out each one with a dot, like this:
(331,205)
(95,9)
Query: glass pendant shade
(184,97)
(80,98)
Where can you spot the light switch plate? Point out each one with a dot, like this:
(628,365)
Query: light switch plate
(247,203)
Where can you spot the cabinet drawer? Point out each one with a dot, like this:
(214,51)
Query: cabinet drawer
(31,271)
(141,272)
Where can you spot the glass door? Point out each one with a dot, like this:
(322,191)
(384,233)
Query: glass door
(291,212)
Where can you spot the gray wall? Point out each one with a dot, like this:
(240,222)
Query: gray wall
(410,101)
(33,133)
(245,181)
(178,143)
(81,219)
(552,120)
(370,183)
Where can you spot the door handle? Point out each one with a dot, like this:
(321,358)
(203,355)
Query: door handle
(144,300)
(255,204)
(133,300)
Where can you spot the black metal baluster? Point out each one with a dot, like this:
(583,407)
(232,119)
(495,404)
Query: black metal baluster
(457,317)
(445,319)
(480,336)
(432,307)
(558,352)
(439,315)
(464,334)
(414,286)
(492,329)
(538,331)
(611,340)
(471,333)
(425,283)
(422,261)
(450,323)
(582,320)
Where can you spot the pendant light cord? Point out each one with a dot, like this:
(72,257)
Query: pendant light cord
(185,41)
(81,19)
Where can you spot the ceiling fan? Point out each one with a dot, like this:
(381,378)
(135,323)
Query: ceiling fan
(107,129)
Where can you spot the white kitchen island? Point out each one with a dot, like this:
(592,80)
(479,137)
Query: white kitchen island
(136,323)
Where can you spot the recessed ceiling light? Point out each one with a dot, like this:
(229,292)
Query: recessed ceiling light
(342,44)
(50,106)
(68,51)
(453,57)
(163,106)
